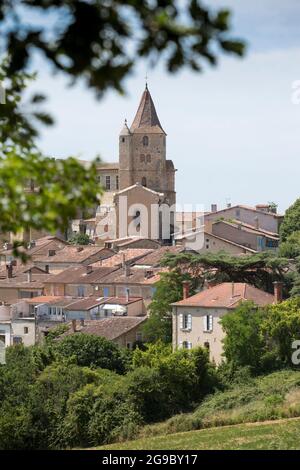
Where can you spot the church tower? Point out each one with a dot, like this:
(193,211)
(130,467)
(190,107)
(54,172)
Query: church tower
(142,152)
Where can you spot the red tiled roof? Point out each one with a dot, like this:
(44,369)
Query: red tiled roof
(154,258)
(109,328)
(227,295)
(81,275)
(74,254)
(130,254)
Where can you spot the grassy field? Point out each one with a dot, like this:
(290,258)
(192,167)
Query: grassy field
(282,434)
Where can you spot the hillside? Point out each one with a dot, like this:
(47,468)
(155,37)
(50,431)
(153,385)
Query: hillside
(271,397)
(283,434)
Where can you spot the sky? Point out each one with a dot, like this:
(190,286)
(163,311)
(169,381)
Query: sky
(233,131)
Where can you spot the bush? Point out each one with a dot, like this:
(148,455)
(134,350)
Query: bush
(92,351)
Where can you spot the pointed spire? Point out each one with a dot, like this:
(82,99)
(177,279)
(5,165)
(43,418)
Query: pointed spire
(125,130)
(146,118)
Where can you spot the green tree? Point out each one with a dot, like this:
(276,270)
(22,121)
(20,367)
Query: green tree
(291,222)
(281,327)
(101,41)
(92,351)
(244,344)
(167,290)
(79,239)
(36,192)
(290,248)
(260,269)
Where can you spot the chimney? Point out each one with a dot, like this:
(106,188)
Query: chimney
(9,269)
(74,326)
(214,208)
(278,291)
(127,295)
(186,289)
(123,260)
(127,270)
(228,205)
(51,252)
(89,269)
(232,289)
(256,222)
(29,276)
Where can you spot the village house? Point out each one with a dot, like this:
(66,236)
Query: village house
(196,319)
(70,255)
(243,234)
(123,331)
(21,282)
(128,280)
(262,216)
(77,281)
(35,248)
(211,243)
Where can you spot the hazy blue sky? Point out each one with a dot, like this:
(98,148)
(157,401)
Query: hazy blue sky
(233,131)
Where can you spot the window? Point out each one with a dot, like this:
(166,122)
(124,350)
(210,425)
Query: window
(206,345)
(80,291)
(105,292)
(186,345)
(17,340)
(142,158)
(144,181)
(139,337)
(99,179)
(25,330)
(117,182)
(148,158)
(107,182)
(123,139)
(105,228)
(145,141)
(185,321)
(207,323)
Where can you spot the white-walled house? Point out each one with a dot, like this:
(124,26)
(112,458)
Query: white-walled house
(196,319)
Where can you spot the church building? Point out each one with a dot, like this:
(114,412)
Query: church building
(143,175)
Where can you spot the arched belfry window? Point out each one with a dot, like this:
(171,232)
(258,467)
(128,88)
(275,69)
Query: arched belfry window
(145,141)
(144,181)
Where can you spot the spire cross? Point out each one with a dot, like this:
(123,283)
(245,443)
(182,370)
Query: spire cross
(146,78)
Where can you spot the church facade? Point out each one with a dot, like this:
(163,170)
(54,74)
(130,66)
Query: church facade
(143,175)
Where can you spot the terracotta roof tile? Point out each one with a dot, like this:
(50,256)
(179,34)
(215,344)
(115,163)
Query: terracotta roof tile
(227,295)
(109,328)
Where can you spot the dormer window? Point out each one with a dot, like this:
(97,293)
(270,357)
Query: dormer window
(145,141)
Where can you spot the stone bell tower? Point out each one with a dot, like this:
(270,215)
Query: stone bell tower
(142,152)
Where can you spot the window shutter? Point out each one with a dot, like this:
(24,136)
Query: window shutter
(205,323)
(210,322)
(181,321)
(189,321)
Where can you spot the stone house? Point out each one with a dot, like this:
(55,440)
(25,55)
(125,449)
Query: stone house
(76,281)
(262,216)
(196,319)
(124,331)
(211,243)
(245,235)
(80,255)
